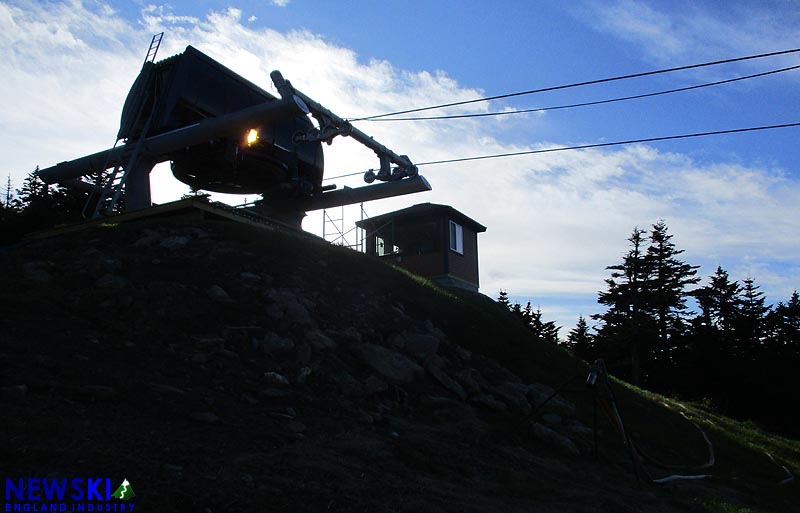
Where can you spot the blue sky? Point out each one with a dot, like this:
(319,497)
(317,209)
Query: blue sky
(554,221)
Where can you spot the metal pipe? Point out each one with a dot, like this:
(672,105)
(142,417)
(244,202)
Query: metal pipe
(158,147)
(348,196)
(401,160)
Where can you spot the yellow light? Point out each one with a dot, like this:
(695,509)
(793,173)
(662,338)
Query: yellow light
(252,137)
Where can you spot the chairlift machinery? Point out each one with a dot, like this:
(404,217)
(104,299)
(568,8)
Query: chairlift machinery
(222,133)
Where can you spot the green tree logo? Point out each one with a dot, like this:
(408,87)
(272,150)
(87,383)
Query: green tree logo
(124,492)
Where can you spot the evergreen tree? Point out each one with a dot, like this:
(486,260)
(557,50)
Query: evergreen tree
(580,342)
(667,288)
(784,320)
(721,301)
(751,320)
(503,299)
(626,325)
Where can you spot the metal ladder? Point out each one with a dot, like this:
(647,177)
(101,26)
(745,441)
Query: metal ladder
(155,43)
(110,182)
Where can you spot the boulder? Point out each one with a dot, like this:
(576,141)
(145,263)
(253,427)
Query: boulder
(472,381)
(274,344)
(218,294)
(274,378)
(554,439)
(174,242)
(487,401)
(539,393)
(391,365)
(435,367)
(421,345)
(319,339)
(515,398)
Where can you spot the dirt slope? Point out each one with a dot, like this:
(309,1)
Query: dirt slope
(223,368)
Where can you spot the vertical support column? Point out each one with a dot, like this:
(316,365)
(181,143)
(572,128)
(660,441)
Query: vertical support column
(137,184)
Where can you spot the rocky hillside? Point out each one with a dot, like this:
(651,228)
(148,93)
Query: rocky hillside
(225,368)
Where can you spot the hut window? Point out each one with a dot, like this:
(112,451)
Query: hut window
(456,237)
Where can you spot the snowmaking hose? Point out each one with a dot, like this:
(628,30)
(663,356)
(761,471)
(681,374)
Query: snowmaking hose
(599,375)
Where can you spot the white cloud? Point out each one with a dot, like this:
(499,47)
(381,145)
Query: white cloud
(695,31)
(281,3)
(554,221)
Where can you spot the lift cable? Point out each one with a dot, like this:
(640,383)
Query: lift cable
(588,146)
(586,104)
(616,143)
(579,84)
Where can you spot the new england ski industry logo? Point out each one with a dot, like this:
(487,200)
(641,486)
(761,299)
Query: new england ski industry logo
(92,494)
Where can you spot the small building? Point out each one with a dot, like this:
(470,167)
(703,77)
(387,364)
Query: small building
(434,241)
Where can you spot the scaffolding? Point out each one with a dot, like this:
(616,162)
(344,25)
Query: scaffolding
(333,229)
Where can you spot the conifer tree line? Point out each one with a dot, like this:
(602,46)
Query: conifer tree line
(666,330)
(545,331)
(36,206)
(734,353)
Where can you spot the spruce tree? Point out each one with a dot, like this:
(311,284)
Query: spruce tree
(627,325)
(580,342)
(503,299)
(784,342)
(666,289)
(751,322)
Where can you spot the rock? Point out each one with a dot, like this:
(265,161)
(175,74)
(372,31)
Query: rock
(421,345)
(166,389)
(249,399)
(461,420)
(488,402)
(556,440)
(147,239)
(493,371)
(174,242)
(462,354)
(434,367)
(515,398)
(274,378)
(298,314)
(340,376)
(433,330)
(303,375)
(578,430)
(205,416)
(396,341)
(552,419)
(250,277)
(218,294)
(319,340)
(98,391)
(374,385)
(286,307)
(296,427)
(207,342)
(111,265)
(111,281)
(392,365)
(274,393)
(37,271)
(349,336)
(472,381)
(538,393)
(227,353)
(274,344)
(303,356)
(174,469)
(14,391)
